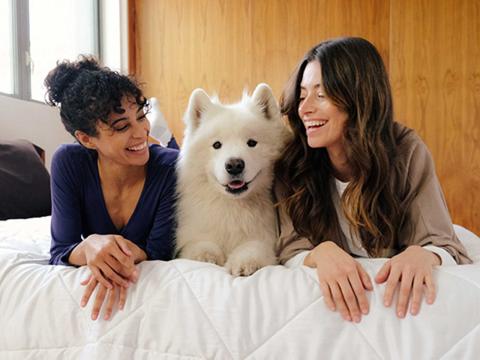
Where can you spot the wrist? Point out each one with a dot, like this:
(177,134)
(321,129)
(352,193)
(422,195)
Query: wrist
(77,256)
(310,258)
(437,260)
(138,254)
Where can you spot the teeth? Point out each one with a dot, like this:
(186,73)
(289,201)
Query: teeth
(315,123)
(138,147)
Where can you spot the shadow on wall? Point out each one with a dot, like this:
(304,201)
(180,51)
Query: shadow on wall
(32,121)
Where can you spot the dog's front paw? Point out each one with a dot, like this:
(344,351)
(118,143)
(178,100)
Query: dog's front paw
(249,257)
(203,251)
(210,257)
(243,267)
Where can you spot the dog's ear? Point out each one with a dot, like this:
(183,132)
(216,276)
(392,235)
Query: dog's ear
(263,98)
(199,102)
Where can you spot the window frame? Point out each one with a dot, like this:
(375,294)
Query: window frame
(21,47)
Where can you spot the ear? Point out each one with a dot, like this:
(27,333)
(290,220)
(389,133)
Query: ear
(264,99)
(84,139)
(197,105)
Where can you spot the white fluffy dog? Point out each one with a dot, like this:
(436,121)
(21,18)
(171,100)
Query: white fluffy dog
(225,211)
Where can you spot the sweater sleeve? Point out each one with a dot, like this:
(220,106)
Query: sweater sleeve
(160,241)
(66,213)
(172,144)
(429,214)
(289,243)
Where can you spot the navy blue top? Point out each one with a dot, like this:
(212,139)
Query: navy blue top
(79,210)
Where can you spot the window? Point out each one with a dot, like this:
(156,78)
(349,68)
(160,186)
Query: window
(59,29)
(6,49)
(35,34)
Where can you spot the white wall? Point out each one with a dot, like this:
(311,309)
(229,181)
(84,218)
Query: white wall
(38,123)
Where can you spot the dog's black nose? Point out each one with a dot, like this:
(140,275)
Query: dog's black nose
(234,166)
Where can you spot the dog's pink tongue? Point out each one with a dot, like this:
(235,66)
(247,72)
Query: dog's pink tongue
(236,184)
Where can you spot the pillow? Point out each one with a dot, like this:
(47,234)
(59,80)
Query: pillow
(24,181)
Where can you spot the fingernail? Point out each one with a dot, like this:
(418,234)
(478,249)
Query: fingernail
(94,316)
(364,311)
(83,303)
(386,303)
(401,314)
(356,319)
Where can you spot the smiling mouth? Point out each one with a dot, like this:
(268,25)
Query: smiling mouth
(138,147)
(312,125)
(237,187)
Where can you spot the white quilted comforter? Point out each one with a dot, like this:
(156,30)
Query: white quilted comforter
(188,310)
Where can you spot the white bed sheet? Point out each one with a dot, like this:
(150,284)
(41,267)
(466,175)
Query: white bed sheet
(183,309)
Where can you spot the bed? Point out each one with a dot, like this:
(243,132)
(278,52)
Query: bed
(183,309)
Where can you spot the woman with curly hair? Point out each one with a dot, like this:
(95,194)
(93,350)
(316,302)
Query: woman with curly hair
(354,183)
(112,192)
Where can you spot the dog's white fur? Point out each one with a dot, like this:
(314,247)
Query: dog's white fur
(215,225)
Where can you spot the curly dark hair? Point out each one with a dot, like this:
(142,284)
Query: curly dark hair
(355,80)
(87,92)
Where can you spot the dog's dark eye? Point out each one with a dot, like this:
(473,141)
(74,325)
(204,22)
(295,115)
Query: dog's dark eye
(251,143)
(217,145)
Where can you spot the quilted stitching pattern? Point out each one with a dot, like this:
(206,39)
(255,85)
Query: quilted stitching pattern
(189,310)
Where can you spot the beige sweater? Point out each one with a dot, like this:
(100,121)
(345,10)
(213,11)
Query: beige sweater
(431,221)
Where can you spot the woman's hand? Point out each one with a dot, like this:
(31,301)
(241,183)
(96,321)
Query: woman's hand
(112,257)
(109,257)
(410,270)
(91,282)
(342,279)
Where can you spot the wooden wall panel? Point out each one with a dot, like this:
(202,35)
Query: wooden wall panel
(431,48)
(225,46)
(283,31)
(187,44)
(435,71)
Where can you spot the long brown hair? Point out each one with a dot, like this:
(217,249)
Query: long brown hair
(354,79)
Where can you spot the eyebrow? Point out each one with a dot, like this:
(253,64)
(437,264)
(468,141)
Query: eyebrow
(315,87)
(118,120)
(140,108)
